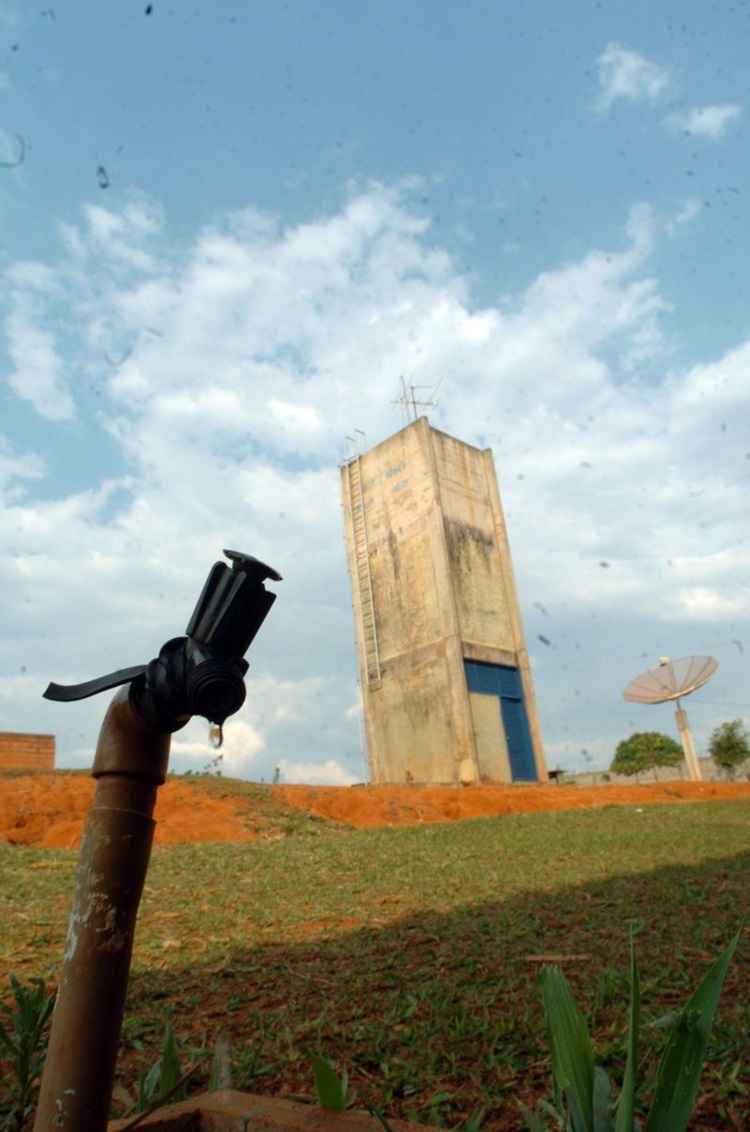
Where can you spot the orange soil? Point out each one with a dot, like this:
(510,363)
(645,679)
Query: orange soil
(371,806)
(48,810)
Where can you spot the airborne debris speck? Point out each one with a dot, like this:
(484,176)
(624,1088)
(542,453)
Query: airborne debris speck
(604,565)
(739,645)
(543,639)
(538,605)
(102,177)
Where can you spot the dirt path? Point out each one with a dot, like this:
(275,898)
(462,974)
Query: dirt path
(47,810)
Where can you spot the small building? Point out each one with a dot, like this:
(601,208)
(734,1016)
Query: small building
(444,672)
(22,751)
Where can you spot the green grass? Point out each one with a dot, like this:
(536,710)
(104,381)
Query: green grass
(404,955)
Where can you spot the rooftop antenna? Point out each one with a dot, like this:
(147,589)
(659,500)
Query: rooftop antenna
(410,406)
(354,446)
(671,680)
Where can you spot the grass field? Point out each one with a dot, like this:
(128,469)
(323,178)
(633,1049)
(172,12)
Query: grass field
(411,956)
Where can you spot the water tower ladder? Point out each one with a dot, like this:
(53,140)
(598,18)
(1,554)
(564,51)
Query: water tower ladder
(363,576)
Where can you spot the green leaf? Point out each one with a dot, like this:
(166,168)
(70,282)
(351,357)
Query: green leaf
(438,1099)
(170,1064)
(572,1055)
(558,1117)
(534,1122)
(148,1084)
(678,1075)
(6,1040)
(47,1007)
(474,1123)
(626,1102)
(379,1117)
(602,1102)
(330,1090)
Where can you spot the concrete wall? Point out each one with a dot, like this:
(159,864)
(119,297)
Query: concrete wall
(476,566)
(413,715)
(20,751)
(710,772)
(481,567)
(442,589)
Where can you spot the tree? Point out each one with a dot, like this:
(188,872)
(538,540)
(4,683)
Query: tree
(644,750)
(729,746)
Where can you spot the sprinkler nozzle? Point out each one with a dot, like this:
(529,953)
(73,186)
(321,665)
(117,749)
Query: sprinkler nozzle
(203,672)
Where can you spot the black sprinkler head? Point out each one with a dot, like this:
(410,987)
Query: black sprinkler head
(203,672)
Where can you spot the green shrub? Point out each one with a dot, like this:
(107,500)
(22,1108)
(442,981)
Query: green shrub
(645,750)
(583,1093)
(729,746)
(23,1048)
(164,1081)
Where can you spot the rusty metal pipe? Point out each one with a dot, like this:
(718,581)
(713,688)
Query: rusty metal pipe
(201,673)
(129,766)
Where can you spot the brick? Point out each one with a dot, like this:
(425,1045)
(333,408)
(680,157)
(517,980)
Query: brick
(22,751)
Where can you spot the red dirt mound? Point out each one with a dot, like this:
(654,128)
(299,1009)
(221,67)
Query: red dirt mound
(48,811)
(370,806)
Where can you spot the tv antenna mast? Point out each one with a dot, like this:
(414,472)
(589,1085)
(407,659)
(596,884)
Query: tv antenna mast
(355,445)
(670,681)
(410,406)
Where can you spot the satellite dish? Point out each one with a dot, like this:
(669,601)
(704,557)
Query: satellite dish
(671,680)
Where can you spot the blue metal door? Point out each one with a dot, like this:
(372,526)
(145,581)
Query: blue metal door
(505,683)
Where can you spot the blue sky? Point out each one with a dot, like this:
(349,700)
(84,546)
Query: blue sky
(543,205)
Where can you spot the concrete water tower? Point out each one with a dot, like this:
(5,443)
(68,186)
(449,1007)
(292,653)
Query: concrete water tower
(443,668)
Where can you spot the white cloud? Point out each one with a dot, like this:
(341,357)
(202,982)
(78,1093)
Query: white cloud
(710,122)
(299,419)
(15,467)
(248,355)
(329,773)
(38,374)
(709,605)
(687,212)
(241,745)
(627,74)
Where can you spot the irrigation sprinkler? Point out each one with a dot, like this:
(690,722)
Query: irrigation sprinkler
(202,674)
